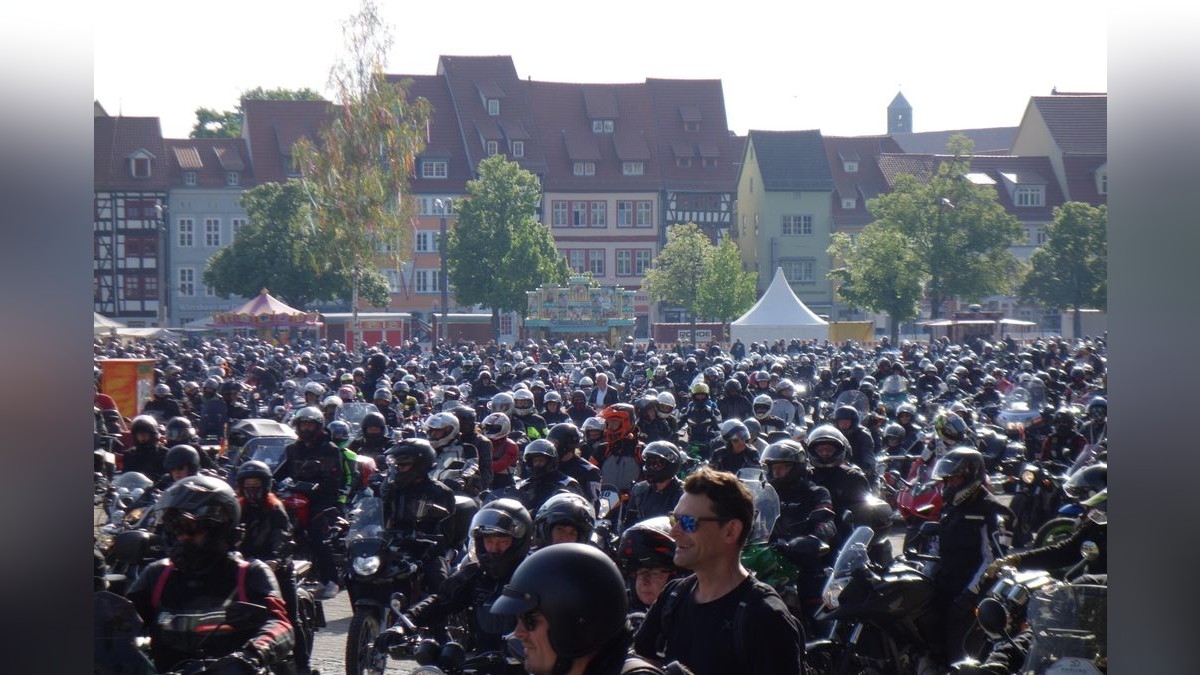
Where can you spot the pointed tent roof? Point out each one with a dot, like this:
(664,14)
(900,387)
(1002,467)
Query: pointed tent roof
(265,310)
(780,306)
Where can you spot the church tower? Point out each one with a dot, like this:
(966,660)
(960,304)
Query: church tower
(899,116)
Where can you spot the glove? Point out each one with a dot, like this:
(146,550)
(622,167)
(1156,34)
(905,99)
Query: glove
(390,639)
(994,569)
(237,663)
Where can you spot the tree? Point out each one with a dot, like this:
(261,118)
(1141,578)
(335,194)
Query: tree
(213,123)
(498,249)
(726,291)
(1071,270)
(356,174)
(881,274)
(678,272)
(279,249)
(958,232)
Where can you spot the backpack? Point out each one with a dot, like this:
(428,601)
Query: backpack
(758,591)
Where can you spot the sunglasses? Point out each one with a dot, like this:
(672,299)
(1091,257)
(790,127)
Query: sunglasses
(530,620)
(177,524)
(690,524)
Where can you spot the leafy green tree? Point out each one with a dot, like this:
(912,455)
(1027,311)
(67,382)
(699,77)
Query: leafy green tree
(677,274)
(1071,270)
(726,291)
(498,249)
(213,123)
(278,249)
(881,274)
(958,232)
(356,173)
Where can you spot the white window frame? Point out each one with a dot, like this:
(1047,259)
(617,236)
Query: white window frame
(493,148)
(435,168)
(518,148)
(799,270)
(633,168)
(598,214)
(427,281)
(644,216)
(639,265)
(212,232)
(232,179)
(624,262)
(426,241)
(560,213)
(602,126)
(577,259)
(625,213)
(597,255)
(796,225)
(585,168)
(393,279)
(579,214)
(187,282)
(493,107)
(189,178)
(133,167)
(236,224)
(849,203)
(186,228)
(1029,196)
(850,166)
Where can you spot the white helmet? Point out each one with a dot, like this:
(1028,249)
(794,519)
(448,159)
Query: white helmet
(496,426)
(442,429)
(315,388)
(334,401)
(553,397)
(666,399)
(761,400)
(523,402)
(501,403)
(585,382)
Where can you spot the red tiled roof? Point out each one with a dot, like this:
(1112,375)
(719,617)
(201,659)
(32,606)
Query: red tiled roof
(1038,169)
(1078,122)
(444,139)
(866,183)
(694,100)
(272,127)
(209,159)
(1080,171)
(600,104)
(114,140)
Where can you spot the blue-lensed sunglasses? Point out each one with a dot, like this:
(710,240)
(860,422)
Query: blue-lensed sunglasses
(690,524)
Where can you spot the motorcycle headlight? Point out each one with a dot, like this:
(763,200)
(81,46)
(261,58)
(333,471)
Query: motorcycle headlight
(1027,477)
(366,565)
(833,590)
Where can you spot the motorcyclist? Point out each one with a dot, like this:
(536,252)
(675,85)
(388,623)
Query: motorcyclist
(502,532)
(651,425)
(468,434)
(646,554)
(147,454)
(163,403)
(769,422)
(579,410)
(783,404)
(825,388)
(572,614)
(505,453)
(592,447)
(525,410)
(565,517)
(1095,430)
(1066,552)
(827,450)
(566,438)
(314,458)
(619,457)
(929,383)
(181,432)
(553,412)
(1065,443)
(906,417)
(214,412)
(862,445)
(701,416)
(181,461)
(545,479)
(734,404)
(235,409)
(661,489)
(736,453)
(952,393)
(383,401)
(971,519)
(373,440)
(181,598)
(989,395)
(442,430)
(407,493)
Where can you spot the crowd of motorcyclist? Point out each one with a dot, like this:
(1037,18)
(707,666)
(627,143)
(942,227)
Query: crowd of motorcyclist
(618,450)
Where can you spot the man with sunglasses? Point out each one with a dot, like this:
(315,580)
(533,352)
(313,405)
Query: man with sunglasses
(710,524)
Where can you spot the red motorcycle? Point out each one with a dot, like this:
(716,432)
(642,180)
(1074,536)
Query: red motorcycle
(918,499)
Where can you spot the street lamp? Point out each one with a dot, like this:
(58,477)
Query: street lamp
(160,215)
(442,207)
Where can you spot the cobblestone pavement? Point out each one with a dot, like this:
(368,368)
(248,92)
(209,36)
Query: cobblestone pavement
(329,649)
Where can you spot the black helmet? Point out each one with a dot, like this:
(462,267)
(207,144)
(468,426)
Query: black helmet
(827,434)
(732,386)
(578,589)
(566,437)
(566,508)
(846,412)
(961,461)
(893,431)
(1086,482)
(1064,419)
(179,430)
(182,457)
(231,385)
(647,544)
(144,423)
(1098,408)
(200,503)
(507,517)
(339,430)
(540,448)
(786,452)
(255,469)
(373,419)
(415,452)
(466,418)
(661,460)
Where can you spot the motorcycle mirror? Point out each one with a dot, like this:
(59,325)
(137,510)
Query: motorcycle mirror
(430,511)
(993,617)
(245,615)
(1089,550)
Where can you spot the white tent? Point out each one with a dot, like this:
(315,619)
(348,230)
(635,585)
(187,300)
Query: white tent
(779,315)
(102,325)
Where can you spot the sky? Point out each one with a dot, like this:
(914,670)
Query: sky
(833,66)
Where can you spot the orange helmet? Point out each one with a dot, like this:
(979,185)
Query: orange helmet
(618,421)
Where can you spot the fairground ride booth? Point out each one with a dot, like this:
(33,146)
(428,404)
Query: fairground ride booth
(581,309)
(392,328)
(269,319)
(779,315)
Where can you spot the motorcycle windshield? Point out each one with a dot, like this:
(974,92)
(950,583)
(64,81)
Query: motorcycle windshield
(855,398)
(854,552)
(1018,400)
(269,451)
(352,413)
(893,385)
(766,504)
(132,480)
(1070,630)
(366,520)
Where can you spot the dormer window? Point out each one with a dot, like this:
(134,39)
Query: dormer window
(1030,195)
(434,168)
(189,178)
(493,148)
(849,203)
(850,166)
(518,148)
(633,168)
(139,164)
(493,107)
(231,178)
(585,168)
(602,126)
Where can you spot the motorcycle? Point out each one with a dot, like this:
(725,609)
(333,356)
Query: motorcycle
(1037,498)
(384,576)
(893,392)
(352,413)
(883,618)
